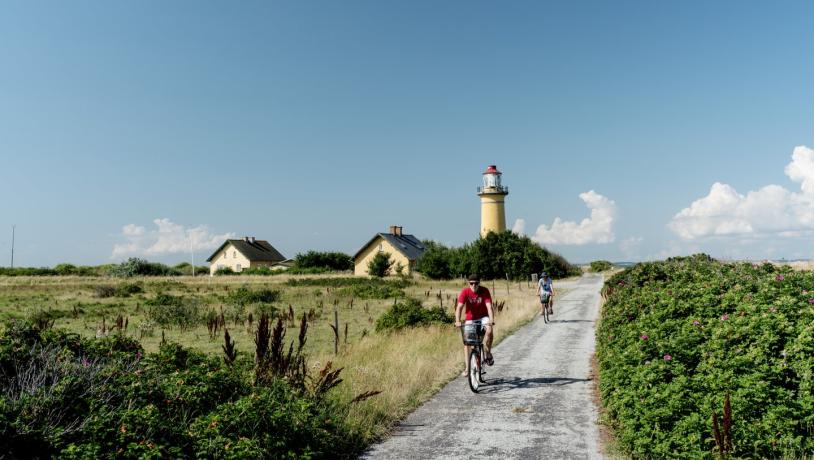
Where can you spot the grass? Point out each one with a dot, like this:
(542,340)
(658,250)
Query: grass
(408,366)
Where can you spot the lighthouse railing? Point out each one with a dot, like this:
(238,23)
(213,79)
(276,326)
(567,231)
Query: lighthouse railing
(498,189)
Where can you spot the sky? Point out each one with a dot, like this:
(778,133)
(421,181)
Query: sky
(625,131)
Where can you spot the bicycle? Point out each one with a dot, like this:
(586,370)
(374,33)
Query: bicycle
(545,300)
(472,333)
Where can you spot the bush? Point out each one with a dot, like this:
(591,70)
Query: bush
(327,260)
(676,337)
(380,265)
(185,268)
(68,397)
(600,266)
(224,271)
(410,313)
(139,267)
(168,310)
(493,257)
(245,296)
(128,289)
(104,291)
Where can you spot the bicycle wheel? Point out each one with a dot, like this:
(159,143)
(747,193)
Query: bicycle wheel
(545,312)
(474,369)
(482,359)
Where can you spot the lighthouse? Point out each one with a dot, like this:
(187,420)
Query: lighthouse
(492,202)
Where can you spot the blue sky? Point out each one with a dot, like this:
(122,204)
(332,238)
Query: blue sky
(145,128)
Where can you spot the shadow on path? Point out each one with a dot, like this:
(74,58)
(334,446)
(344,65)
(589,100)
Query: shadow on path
(507,384)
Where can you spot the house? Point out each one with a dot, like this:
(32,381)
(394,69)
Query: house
(404,250)
(247,252)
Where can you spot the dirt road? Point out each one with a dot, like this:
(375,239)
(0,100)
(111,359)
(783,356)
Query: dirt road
(536,404)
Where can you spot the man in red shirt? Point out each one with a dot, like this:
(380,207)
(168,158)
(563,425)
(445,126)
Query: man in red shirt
(476,301)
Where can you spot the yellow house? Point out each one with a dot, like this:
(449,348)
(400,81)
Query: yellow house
(247,252)
(404,250)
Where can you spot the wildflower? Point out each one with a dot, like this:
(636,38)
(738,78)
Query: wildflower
(724,317)
(647,363)
(667,357)
(138,355)
(644,337)
(773,310)
(85,362)
(779,278)
(810,300)
(804,291)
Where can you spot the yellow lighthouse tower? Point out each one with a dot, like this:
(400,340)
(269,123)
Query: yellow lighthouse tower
(492,202)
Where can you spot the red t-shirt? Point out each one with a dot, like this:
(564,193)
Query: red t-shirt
(475,304)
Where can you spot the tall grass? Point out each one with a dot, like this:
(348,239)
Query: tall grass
(411,365)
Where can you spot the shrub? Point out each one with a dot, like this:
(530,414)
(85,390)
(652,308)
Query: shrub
(128,289)
(69,397)
(168,310)
(410,313)
(104,291)
(327,260)
(245,296)
(600,265)
(224,271)
(363,288)
(26,271)
(676,338)
(185,268)
(140,267)
(493,257)
(380,265)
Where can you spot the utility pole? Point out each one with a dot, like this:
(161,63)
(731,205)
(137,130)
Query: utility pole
(12,245)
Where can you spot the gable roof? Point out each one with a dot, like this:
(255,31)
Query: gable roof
(408,245)
(257,251)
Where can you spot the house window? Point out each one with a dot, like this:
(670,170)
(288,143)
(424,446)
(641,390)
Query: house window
(238,268)
(234,254)
(381,247)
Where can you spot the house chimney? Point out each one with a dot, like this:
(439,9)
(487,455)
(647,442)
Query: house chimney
(393,229)
(251,239)
(246,239)
(398,231)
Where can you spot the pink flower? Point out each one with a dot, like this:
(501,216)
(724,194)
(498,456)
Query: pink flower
(810,300)
(779,278)
(804,291)
(85,362)
(644,337)
(667,357)
(724,317)
(138,355)
(696,323)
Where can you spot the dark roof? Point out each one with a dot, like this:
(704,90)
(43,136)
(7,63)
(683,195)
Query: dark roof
(258,251)
(408,245)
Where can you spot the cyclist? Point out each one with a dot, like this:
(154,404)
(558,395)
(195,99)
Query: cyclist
(476,302)
(546,292)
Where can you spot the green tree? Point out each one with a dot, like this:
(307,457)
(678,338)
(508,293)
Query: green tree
(380,264)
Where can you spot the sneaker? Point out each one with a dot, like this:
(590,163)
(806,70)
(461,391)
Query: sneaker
(490,360)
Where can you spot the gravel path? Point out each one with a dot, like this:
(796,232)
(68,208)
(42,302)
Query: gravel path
(537,402)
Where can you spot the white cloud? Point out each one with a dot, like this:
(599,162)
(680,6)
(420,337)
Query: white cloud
(519,227)
(769,211)
(167,238)
(595,229)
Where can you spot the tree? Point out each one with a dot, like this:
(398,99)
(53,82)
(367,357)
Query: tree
(380,264)
(494,256)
